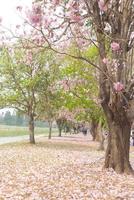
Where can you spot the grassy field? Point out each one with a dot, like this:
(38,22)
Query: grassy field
(6,131)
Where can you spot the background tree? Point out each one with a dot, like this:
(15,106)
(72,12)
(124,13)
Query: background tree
(8,118)
(49,93)
(21,71)
(80,89)
(19,119)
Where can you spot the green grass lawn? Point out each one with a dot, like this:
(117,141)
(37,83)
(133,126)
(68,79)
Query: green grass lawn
(6,131)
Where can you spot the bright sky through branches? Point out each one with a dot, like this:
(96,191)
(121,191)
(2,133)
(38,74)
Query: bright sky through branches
(8,11)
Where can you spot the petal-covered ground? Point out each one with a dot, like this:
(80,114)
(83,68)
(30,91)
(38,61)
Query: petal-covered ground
(60,169)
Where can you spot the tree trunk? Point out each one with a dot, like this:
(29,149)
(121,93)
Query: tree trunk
(50,130)
(115,109)
(117,153)
(60,123)
(93,130)
(31,129)
(59,132)
(101,137)
(101,142)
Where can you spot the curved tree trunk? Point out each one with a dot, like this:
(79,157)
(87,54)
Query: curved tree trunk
(31,129)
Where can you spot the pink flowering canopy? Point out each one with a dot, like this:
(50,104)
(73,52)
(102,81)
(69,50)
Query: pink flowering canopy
(57,24)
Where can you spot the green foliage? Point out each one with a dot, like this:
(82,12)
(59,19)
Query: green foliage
(84,93)
(23,80)
(35,86)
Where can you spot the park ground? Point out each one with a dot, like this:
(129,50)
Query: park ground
(66,168)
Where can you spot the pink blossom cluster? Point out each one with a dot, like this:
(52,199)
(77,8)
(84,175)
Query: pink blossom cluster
(102,5)
(66,114)
(105,61)
(73,11)
(118,86)
(115,46)
(55,2)
(35,15)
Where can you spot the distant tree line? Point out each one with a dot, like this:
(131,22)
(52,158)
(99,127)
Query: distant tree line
(17,119)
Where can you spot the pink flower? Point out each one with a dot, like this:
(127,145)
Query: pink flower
(76,18)
(19,8)
(35,15)
(105,61)
(102,5)
(35,19)
(56,2)
(118,86)
(115,46)
(74,5)
(36,9)
(47,22)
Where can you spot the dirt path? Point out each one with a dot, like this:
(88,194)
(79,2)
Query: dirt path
(79,138)
(6,140)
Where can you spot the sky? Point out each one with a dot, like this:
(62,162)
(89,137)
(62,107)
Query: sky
(4,110)
(8,11)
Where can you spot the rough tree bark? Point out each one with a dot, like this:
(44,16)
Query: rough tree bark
(117,153)
(119,124)
(31,128)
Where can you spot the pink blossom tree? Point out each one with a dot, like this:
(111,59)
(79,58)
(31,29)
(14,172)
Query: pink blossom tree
(109,26)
